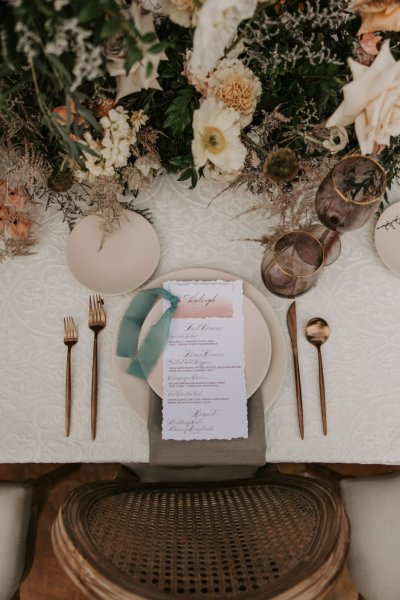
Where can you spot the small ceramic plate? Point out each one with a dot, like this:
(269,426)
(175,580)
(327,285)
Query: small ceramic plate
(257,347)
(128,257)
(387,237)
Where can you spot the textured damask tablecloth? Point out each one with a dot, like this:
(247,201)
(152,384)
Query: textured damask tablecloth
(358,296)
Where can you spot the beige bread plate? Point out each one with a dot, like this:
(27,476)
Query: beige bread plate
(387,237)
(128,257)
(137,391)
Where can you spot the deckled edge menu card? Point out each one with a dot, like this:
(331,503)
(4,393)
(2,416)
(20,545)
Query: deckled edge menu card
(204,385)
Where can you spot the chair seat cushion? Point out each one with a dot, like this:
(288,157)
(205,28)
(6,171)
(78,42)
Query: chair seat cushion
(372,505)
(15,504)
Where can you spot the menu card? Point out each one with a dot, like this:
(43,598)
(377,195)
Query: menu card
(204,385)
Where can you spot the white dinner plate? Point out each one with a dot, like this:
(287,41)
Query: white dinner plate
(257,347)
(137,391)
(387,237)
(128,257)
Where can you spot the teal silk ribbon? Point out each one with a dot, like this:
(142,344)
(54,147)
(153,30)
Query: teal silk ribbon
(145,357)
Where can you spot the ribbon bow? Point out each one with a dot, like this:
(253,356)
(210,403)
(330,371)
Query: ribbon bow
(145,357)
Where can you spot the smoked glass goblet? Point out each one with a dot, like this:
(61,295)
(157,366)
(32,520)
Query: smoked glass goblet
(350,193)
(292,266)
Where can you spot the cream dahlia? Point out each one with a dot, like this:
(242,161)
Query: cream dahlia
(237,87)
(216,130)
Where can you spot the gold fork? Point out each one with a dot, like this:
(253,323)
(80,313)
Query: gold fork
(97,322)
(70,338)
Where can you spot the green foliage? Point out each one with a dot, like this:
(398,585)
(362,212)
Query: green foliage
(179,113)
(301,61)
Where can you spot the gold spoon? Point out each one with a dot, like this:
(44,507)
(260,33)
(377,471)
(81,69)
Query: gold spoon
(317,332)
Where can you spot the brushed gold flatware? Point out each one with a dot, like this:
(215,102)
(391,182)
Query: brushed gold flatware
(97,322)
(291,320)
(70,338)
(317,332)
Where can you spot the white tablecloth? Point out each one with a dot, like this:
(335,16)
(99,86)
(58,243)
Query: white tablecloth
(357,295)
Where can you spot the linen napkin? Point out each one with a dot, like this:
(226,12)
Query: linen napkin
(193,453)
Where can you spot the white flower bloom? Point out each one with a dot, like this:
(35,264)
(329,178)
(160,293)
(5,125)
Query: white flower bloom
(218,21)
(27,40)
(338,140)
(217,136)
(138,118)
(71,37)
(114,149)
(372,101)
(237,87)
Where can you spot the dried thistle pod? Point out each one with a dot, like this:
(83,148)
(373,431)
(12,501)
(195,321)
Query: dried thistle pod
(60,181)
(281,165)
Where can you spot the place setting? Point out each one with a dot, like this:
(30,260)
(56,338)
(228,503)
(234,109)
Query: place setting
(202,376)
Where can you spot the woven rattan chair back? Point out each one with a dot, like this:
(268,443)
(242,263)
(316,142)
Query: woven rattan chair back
(280,537)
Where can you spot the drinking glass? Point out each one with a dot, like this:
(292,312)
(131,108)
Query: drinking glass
(330,241)
(350,192)
(291,267)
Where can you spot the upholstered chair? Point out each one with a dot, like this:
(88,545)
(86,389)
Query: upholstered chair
(20,505)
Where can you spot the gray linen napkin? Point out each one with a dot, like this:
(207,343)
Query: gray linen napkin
(241,451)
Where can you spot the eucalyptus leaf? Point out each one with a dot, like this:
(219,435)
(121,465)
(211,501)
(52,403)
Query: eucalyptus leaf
(158,48)
(134,56)
(90,11)
(110,27)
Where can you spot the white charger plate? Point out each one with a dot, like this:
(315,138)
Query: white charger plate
(128,257)
(387,237)
(137,391)
(257,347)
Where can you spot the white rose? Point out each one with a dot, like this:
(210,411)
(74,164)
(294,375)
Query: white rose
(218,21)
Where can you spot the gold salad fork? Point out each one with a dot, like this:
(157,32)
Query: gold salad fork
(70,338)
(97,322)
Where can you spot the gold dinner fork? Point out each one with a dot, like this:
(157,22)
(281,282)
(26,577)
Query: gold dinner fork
(70,338)
(97,322)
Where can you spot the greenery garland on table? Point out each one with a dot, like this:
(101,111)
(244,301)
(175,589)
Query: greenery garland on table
(97,98)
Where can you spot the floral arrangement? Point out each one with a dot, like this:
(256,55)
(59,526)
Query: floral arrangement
(97,98)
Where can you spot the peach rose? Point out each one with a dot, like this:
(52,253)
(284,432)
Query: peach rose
(370,43)
(19,227)
(378,15)
(12,197)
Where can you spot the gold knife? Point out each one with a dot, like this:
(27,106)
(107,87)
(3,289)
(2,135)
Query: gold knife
(292,326)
